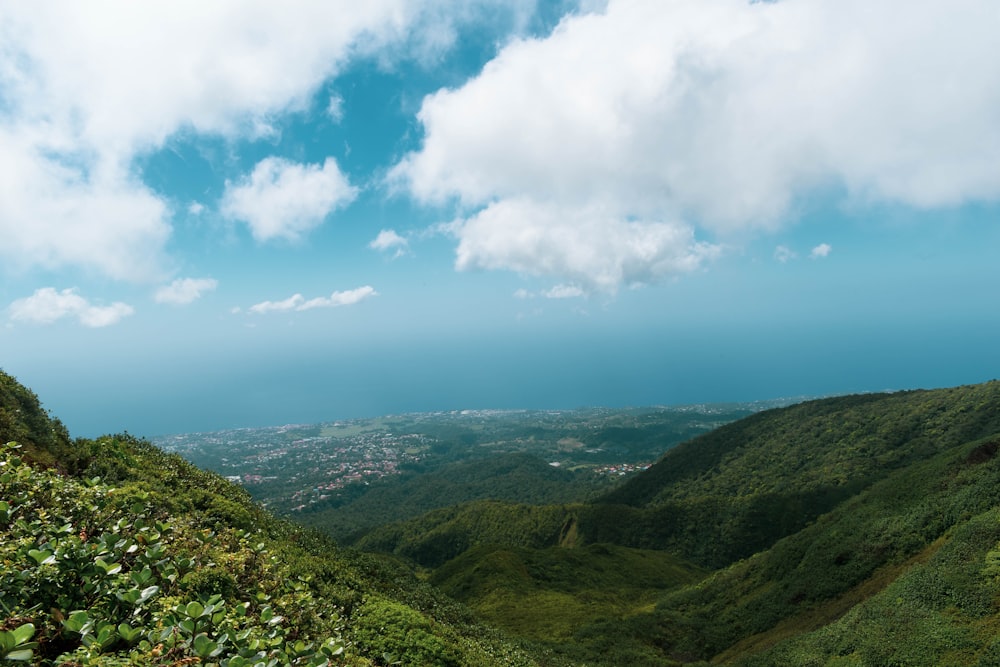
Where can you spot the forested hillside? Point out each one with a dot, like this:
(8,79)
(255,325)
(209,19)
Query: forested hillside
(115,553)
(862,530)
(854,530)
(516,477)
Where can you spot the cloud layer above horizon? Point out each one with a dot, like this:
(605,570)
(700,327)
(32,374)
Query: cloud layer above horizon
(628,145)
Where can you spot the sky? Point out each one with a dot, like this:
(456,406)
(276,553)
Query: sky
(230,214)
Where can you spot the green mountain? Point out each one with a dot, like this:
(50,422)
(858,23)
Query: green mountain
(115,553)
(861,530)
(856,530)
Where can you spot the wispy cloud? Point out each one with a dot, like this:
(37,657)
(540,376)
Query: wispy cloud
(47,305)
(291,303)
(335,108)
(297,302)
(564,292)
(784,254)
(184,290)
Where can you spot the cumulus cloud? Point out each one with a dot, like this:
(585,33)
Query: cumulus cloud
(47,305)
(284,200)
(718,113)
(86,88)
(587,247)
(184,290)
(298,302)
(822,250)
(53,214)
(387,240)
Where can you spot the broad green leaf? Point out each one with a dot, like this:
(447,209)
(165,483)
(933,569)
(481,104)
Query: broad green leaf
(21,655)
(23,633)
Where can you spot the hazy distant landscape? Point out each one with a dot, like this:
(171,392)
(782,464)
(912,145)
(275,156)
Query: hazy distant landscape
(351,475)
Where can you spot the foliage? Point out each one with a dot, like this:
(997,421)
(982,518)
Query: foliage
(858,530)
(103,578)
(551,596)
(162,563)
(812,515)
(45,440)
(441,535)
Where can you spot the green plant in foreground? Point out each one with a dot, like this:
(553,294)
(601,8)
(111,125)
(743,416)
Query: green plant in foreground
(95,579)
(16,644)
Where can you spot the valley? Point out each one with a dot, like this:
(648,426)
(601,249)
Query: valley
(854,530)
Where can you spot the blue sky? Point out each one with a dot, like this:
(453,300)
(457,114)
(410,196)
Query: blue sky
(244,214)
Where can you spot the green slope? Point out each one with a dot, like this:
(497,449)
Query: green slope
(807,580)
(517,477)
(819,519)
(159,563)
(860,530)
(548,595)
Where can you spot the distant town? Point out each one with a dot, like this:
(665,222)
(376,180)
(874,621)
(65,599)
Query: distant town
(289,468)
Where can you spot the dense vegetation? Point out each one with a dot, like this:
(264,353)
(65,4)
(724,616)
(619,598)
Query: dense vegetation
(862,530)
(113,552)
(516,477)
(854,530)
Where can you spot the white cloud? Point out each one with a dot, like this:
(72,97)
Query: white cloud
(184,290)
(345,298)
(291,303)
(388,239)
(52,213)
(822,250)
(720,113)
(284,200)
(586,247)
(88,87)
(784,254)
(298,302)
(47,305)
(195,208)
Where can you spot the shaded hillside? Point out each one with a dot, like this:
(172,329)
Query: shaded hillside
(732,492)
(45,440)
(438,536)
(548,595)
(142,559)
(928,530)
(521,478)
(735,491)
(861,527)
(817,445)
